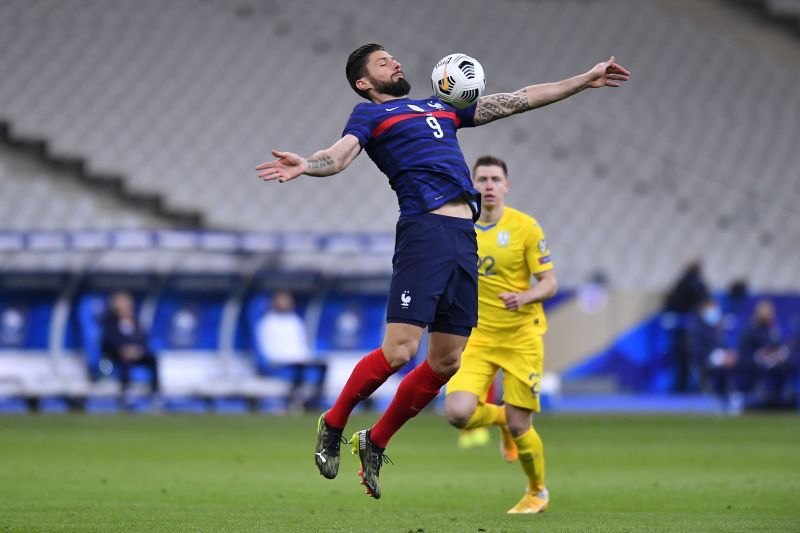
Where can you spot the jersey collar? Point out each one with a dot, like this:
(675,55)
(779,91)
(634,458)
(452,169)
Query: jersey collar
(490,226)
(485,228)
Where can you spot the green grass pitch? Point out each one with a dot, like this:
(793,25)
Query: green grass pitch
(256,473)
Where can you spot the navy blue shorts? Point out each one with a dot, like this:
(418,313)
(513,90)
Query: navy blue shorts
(435,274)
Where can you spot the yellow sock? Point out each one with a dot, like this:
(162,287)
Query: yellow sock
(531,457)
(487,414)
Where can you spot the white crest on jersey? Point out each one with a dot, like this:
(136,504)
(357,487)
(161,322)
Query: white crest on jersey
(503,238)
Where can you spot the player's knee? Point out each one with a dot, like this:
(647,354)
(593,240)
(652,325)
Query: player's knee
(446,365)
(518,427)
(400,352)
(519,422)
(457,415)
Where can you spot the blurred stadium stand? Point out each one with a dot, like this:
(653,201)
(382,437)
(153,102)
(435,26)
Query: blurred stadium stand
(146,116)
(786,12)
(182,99)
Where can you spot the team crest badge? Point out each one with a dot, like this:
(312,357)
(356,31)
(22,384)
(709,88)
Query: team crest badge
(405,299)
(503,238)
(543,246)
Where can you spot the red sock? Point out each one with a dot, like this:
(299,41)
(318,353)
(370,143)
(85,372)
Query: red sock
(369,373)
(416,391)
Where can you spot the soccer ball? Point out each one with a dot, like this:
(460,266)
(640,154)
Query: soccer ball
(458,80)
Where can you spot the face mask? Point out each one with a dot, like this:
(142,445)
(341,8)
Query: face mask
(711,315)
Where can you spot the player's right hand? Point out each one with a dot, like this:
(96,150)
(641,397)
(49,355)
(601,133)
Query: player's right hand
(512,300)
(286,167)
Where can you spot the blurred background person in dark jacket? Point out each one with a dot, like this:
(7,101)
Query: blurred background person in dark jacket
(764,368)
(124,342)
(713,362)
(681,302)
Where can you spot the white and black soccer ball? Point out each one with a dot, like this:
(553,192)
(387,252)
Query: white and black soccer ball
(458,80)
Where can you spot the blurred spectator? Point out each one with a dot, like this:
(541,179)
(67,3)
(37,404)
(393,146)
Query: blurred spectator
(124,342)
(794,359)
(794,340)
(713,362)
(765,369)
(736,310)
(282,341)
(681,302)
(689,291)
(738,293)
(593,293)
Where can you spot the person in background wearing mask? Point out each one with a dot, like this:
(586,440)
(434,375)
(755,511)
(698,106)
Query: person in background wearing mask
(714,363)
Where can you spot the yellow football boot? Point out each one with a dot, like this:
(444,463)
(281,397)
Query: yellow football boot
(531,503)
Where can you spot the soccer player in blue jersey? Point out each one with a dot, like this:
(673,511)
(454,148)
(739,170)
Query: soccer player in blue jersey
(435,274)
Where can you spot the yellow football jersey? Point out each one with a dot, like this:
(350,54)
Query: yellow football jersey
(509,253)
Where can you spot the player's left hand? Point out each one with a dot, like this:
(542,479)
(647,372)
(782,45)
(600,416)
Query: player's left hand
(286,167)
(512,300)
(607,74)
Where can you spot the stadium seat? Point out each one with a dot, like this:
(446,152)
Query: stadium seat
(351,322)
(186,334)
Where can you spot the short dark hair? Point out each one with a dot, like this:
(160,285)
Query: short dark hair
(357,65)
(490,160)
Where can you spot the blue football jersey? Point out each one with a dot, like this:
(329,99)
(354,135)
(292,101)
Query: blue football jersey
(414,143)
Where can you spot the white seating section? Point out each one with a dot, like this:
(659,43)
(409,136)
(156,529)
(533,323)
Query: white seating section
(38,201)
(697,156)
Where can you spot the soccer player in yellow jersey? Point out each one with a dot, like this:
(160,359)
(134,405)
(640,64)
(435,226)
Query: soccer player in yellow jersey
(512,249)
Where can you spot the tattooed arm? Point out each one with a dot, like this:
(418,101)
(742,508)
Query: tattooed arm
(288,165)
(501,105)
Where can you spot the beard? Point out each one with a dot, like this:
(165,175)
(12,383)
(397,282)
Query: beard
(393,88)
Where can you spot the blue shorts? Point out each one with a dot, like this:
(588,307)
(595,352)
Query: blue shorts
(435,274)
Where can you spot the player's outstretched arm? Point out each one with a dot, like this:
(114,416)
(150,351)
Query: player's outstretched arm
(501,105)
(288,165)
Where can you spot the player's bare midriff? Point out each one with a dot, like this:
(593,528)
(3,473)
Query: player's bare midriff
(456,208)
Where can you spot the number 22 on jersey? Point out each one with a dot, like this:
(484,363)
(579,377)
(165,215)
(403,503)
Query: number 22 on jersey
(486,266)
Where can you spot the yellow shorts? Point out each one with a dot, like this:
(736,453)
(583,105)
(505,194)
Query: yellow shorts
(521,364)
